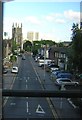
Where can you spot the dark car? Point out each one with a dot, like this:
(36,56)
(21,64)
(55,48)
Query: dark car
(5,70)
(61,74)
(65,75)
(23,57)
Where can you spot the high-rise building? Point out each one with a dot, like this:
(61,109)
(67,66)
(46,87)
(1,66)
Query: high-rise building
(17,34)
(31,36)
(36,35)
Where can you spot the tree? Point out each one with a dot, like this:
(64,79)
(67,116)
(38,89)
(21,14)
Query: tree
(13,59)
(77,47)
(14,46)
(27,46)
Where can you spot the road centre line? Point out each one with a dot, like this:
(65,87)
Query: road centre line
(48,99)
(36,74)
(26,81)
(26,86)
(27,106)
(28,77)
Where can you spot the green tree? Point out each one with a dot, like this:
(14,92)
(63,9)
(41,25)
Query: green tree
(14,46)
(47,42)
(27,46)
(13,59)
(77,47)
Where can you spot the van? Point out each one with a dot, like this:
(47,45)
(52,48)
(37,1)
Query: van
(41,62)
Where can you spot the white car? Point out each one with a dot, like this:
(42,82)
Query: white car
(54,69)
(14,70)
(65,81)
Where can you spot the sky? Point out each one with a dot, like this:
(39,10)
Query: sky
(53,20)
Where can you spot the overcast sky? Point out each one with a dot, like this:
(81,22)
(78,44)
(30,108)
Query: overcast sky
(53,20)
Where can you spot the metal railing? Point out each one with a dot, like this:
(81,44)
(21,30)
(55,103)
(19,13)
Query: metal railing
(42,93)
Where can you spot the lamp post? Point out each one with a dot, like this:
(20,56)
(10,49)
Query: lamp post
(44,60)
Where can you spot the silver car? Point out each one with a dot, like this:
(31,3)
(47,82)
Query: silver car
(65,81)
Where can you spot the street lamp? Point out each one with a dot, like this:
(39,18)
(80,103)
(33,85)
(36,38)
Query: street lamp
(44,60)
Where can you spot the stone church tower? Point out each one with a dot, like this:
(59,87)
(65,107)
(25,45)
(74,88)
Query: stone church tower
(17,34)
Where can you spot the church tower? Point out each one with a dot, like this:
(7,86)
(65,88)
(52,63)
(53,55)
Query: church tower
(17,34)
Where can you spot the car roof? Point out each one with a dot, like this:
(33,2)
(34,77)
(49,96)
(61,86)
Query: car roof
(65,73)
(15,67)
(63,79)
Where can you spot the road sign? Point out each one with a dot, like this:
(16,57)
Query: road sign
(39,109)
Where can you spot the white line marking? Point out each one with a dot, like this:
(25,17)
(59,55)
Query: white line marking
(71,103)
(28,78)
(26,86)
(39,109)
(26,81)
(12,103)
(27,106)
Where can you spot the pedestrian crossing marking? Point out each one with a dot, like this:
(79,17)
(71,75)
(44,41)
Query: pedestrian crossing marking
(39,109)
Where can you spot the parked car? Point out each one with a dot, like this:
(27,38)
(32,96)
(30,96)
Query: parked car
(14,69)
(5,70)
(54,74)
(23,57)
(42,62)
(61,74)
(65,81)
(64,75)
(53,67)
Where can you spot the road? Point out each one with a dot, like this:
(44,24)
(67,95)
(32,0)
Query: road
(27,79)
(31,77)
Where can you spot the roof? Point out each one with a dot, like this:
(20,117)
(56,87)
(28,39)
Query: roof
(59,49)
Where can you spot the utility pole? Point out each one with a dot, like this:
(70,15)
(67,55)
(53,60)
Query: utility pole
(44,60)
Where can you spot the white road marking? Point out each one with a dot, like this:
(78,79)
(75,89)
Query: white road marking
(39,109)
(71,103)
(26,81)
(27,106)
(26,86)
(12,103)
(28,78)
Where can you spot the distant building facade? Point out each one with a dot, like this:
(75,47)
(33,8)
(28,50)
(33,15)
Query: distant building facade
(36,35)
(59,55)
(17,34)
(32,36)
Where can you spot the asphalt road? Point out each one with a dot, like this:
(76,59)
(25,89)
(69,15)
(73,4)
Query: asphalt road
(27,78)
(31,77)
